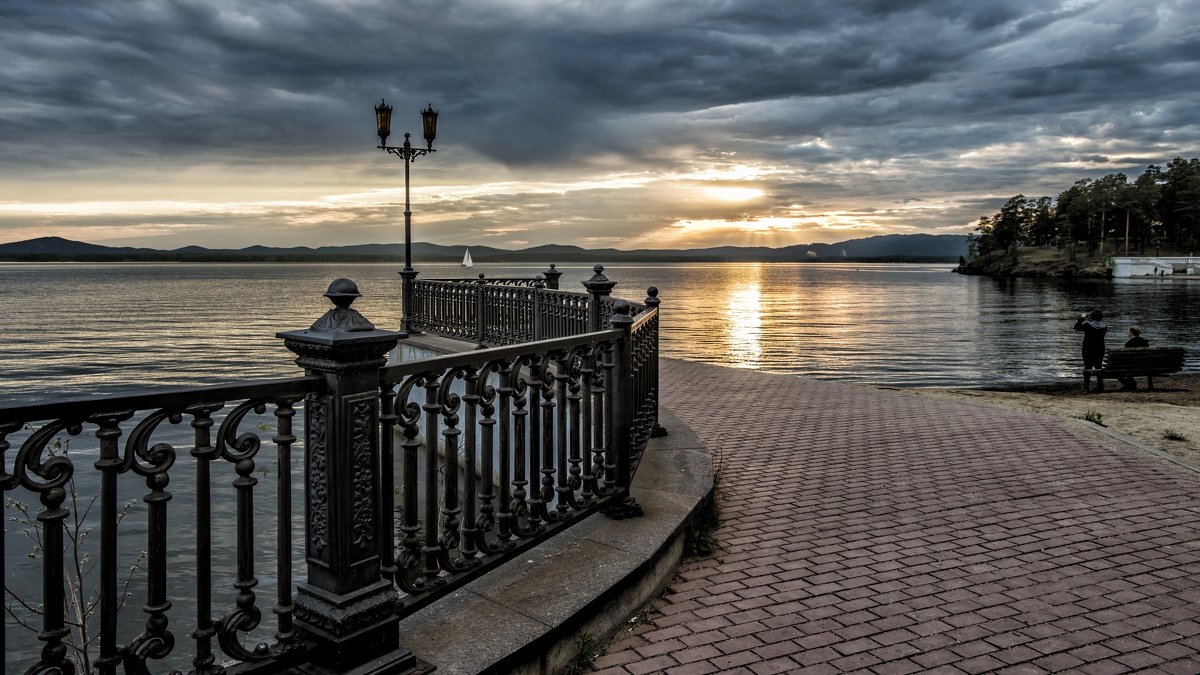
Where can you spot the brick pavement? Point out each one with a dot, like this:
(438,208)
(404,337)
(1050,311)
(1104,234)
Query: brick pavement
(884,532)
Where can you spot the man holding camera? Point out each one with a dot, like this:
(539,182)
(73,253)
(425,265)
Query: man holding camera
(1093,328)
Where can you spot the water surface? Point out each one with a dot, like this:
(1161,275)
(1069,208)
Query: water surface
(72,329)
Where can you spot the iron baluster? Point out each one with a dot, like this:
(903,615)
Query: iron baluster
(7,482)
(241,451)
(47,478)
(409,414)
(546,387)
(470,452)
(605,433)
(451,538)
(285,605)
(520,508)
(587,372)
(156,641)
(487,507)
(537,497)
(54,630)
(505,452)
(562,378)
(202,422)
(110,466)
(387,481)
(573,424)
(432,549)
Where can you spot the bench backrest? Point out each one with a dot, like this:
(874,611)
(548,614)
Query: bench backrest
(1165,359)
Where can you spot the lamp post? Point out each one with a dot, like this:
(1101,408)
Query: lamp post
(383,121)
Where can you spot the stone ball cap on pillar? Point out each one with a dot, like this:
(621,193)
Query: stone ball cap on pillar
(342,292)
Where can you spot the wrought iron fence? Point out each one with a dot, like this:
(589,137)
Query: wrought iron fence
(43,470)
(498,449)
(496,312)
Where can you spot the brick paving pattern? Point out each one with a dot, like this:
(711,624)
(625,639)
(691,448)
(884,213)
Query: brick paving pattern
(883,532)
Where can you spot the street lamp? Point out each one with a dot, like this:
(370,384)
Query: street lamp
(383,121)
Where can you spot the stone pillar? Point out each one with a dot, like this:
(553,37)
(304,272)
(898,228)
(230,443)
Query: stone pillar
(598,287)
(345,604)
(552,275)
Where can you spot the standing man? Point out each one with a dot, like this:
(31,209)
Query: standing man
(1093,328)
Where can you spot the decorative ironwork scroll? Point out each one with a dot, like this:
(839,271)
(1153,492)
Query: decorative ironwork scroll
(47,467)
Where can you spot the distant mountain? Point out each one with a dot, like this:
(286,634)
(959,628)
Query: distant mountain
(57,246)
(885,247)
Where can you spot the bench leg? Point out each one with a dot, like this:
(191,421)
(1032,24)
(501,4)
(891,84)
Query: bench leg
(1150,382)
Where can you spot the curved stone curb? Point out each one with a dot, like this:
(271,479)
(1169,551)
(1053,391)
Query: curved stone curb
(1130,440)
(525,616)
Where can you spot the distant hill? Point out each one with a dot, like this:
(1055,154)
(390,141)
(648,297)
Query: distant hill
(896,247)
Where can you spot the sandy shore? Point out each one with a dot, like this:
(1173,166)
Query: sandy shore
(1167,418)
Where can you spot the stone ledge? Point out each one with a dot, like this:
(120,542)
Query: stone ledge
(524,616)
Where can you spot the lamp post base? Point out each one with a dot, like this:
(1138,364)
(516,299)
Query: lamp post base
(407,276)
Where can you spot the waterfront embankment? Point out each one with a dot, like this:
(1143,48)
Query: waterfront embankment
(886,531)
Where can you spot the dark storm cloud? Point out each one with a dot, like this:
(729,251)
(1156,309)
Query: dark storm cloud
(925,97)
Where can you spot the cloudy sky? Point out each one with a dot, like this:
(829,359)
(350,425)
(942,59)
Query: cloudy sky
(633,124)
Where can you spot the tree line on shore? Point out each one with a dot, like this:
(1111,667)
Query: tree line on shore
(1160,208)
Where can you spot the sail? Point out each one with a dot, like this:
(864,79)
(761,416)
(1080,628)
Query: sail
(467,262)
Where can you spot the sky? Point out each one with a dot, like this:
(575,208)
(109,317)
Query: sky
(626,124)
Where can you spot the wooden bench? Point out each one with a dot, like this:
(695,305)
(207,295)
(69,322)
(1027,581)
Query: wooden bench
(1148,362)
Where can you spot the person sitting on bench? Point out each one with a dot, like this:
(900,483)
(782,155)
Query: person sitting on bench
(1135,340)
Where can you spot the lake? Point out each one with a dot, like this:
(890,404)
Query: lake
(73,329)
(78,329)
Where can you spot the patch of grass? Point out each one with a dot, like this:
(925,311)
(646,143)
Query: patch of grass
(699,539)
(590,647)
(1092,416)
(1172,435)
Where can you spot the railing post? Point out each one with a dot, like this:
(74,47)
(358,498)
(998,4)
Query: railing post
(620,440)
(538,284)
(345,605)
(598,288)
(480,323)
(652,302)
(552,275)
(406,297)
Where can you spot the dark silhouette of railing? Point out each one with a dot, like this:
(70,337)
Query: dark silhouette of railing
(509,311)
(498,450)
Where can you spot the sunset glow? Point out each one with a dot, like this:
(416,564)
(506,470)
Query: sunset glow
(226,132)
(733,194)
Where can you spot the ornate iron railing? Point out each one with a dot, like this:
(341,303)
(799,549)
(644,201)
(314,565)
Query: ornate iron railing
(498,450)
(494,281)
(531,431)
(42,469)
(493,314)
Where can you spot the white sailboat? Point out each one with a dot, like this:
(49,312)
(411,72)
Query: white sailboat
(467,262)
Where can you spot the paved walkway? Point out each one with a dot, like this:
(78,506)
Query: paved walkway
(885,532)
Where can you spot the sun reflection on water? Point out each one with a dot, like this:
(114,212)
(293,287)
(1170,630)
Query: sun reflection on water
(744,324)
(744,320)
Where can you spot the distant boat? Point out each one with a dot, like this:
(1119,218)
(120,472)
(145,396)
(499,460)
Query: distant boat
(467,262)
